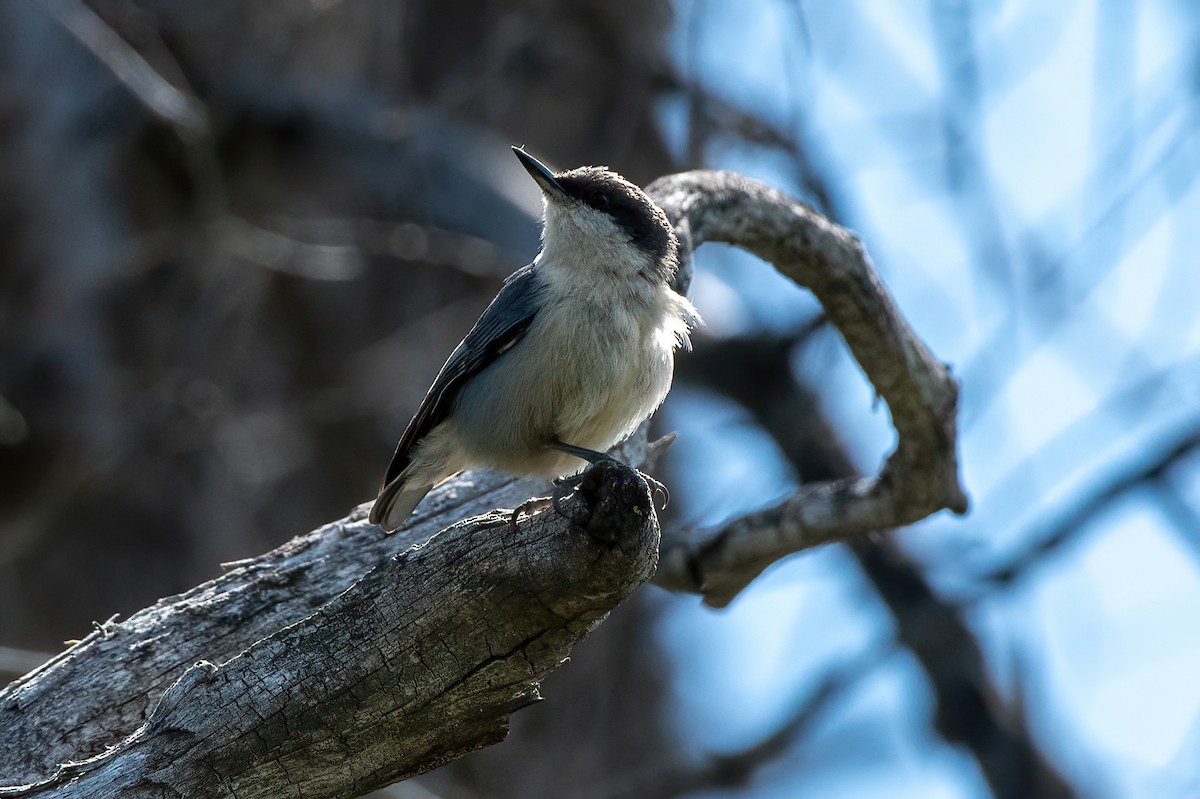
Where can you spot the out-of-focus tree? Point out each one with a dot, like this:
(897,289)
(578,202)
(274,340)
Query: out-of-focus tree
(237,240)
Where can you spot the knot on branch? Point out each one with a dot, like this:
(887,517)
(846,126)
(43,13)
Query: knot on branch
(613,503)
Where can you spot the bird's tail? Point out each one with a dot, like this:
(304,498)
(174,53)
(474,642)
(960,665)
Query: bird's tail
(396,501)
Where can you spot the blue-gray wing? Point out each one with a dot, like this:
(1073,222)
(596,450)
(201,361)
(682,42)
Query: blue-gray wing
(503,324)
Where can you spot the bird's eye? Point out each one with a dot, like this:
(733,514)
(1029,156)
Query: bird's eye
(600,200)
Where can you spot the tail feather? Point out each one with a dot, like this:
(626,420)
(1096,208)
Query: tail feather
(396,502)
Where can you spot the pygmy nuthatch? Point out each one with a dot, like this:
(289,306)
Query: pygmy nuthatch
(576,350)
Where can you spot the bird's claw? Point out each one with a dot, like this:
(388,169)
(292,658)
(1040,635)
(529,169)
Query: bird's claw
(656,489)
(564,487)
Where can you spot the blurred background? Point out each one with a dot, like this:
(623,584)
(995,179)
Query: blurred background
(237,240)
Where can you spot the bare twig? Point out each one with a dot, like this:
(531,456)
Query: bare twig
(1074,520)
(176,108)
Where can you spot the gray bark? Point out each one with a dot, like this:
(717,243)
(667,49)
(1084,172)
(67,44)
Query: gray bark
(339,663)
(346,660)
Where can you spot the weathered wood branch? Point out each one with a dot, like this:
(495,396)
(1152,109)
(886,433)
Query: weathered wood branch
(339,663)
(921,475)
(346,660)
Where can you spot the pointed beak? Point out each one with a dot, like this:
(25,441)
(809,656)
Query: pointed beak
(540,173)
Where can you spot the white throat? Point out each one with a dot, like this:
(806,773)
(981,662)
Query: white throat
(588,262)
(576,237)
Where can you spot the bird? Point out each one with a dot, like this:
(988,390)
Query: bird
(575,351)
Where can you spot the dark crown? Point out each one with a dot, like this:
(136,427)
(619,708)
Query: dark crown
(628,205)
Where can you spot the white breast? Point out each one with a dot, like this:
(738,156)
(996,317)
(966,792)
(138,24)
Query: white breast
(614,343)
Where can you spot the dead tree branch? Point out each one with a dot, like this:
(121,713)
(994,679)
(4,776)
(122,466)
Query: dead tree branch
(339,663)
(921,475)
(158,96)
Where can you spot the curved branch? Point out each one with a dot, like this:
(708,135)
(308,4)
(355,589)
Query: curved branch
(919,478)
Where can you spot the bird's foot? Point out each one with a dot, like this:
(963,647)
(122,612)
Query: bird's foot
(565,487)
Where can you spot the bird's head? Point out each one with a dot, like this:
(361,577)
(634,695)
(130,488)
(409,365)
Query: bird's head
(597,218)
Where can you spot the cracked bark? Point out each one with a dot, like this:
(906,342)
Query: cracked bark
(296,674)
